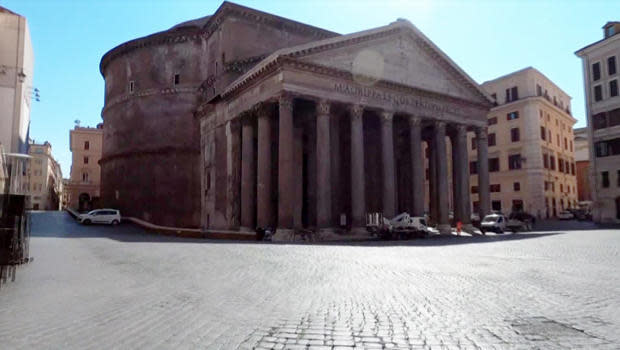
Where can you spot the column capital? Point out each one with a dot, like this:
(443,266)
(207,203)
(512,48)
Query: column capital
(414,120)
(461,128)
(440,124)
(481,132)
(386,116)
(286,101)
(356,111)
(323,107)
(262,109)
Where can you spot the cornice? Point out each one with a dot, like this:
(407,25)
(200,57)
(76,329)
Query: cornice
(149,152)
(183,34)
(149,92)
(339,73)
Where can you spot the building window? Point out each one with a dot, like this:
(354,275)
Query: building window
(496,205)
(517,205)
(516,186)
(85,177)
(607,148)
(474,189)
(572,168)
(514,135)
(618,178)
(561,165)
(491,139)
(613,88)
(550,139)
(86,145)
(85,160)
(495,188)
(543,133)
(131,86)
(512,94)
(552,186)
(605,175)
(493,164)
(611,65)
(614,117)
(552,162)
(561,188)
(596,71)
(545,161)
(598,93)
(492,121)
(565,143)
(557,138)
(473,167)
(177,79)
(514,162)
(599,121)
(546,185)
(512,115)
(571,145)
(538,90)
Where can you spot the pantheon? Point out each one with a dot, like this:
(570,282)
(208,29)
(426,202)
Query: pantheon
(244,119)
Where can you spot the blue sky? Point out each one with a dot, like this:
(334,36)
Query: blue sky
(486,38)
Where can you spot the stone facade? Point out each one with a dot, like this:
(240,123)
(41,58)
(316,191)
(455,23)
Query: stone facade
(46,184)
(16,74)
(244,119)
(601,78)
(320,134)
(531,146)
(83,185)
(154,85)
(582,162)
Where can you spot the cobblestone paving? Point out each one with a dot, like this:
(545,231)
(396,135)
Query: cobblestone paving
(100,287)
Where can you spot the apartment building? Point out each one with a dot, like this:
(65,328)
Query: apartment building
(45,178)
(16,72)
(531,146)
(83,186)
(600,75)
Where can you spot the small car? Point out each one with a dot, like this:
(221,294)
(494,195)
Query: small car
(101,216)
(493,222)
(565,215)
(520,221)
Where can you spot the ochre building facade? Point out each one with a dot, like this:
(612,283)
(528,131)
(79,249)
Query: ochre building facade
(251,120)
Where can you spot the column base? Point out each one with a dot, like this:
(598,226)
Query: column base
(283,235)
(246,229)
(358,231)
(444,229)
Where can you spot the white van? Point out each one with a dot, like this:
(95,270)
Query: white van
(101,216)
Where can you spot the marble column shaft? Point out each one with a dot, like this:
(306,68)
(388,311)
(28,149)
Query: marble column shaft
(432,180)
(286,187)
(417,162)
(323,162)
(460,156)
(264,210)
(358,185)
(483,172)
(442,174)
(248,173)
(389,173)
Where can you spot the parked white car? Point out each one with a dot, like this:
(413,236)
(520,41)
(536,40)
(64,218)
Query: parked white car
(566,215)
(101,216)
(494,222)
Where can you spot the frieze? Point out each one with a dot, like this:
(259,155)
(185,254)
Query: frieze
(396,99)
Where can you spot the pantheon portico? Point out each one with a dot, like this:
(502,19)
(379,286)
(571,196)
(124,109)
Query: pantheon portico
(320,134)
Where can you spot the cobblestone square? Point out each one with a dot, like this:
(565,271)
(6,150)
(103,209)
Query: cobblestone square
(93,287)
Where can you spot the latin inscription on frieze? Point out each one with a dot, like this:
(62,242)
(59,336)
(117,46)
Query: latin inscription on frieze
(398,100)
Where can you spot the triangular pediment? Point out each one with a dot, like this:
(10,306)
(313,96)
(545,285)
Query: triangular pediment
(395,53)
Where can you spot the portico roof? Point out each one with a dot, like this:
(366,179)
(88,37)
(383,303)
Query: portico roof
(312,48)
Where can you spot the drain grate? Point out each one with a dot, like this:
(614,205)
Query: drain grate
(542,328)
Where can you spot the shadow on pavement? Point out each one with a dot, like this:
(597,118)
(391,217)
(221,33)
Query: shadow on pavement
(62,225)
